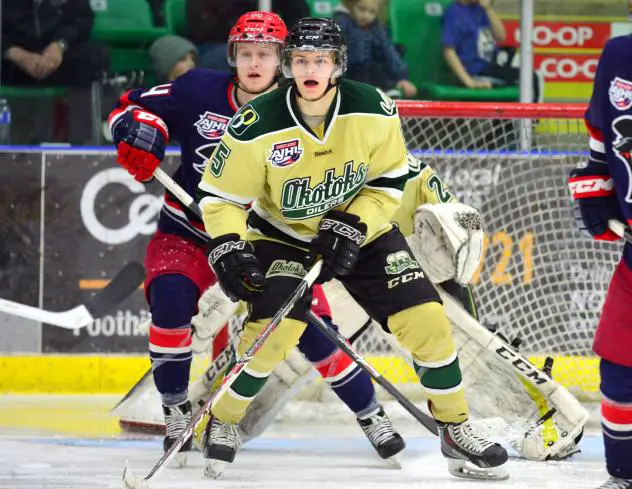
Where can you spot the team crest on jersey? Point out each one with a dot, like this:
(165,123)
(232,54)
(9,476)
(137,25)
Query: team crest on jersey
(620,93)
(211,125)
(399,262)
(286,153)
(387,103)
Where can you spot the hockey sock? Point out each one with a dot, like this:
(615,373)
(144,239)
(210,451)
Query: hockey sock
(173,302)
(616,417)
(350,383)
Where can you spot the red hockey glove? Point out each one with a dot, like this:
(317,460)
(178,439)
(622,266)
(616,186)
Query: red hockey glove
(595,199)
(141,139)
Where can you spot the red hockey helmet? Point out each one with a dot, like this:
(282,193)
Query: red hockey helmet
(259,27)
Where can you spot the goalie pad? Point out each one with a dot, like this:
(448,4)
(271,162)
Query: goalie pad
(214,310)
(448,241)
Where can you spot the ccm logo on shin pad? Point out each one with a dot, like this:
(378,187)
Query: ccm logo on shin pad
(343,230)
(586,187)
(224,248)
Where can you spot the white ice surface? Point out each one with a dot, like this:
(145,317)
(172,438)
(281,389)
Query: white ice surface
(317,455)
(313,461)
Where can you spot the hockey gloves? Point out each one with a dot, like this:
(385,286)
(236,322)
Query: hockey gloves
(141,138)
(236,267)
(338,243)
(595,199)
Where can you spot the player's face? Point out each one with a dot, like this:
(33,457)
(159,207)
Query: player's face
(312,72)
(256,65)
(364,12)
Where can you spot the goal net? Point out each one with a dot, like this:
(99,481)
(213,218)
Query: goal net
(540,280)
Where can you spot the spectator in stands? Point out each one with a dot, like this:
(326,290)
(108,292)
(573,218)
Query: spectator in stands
(471,33)
(47,43)
(372,56)
(209,22)
(171,57)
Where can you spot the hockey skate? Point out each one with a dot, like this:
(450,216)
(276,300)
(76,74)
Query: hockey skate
(387,442)
(470,456)
(615,483)
(221,443)
(176,420)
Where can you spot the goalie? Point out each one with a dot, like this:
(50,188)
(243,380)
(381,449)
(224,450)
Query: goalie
(446,238)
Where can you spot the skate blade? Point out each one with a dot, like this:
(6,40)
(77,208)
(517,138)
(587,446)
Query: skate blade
(131,481)
(394,462)
(467,470)
(214,469)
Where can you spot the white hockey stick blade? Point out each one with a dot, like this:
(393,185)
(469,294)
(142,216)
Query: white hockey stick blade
(131,481)
(122,285)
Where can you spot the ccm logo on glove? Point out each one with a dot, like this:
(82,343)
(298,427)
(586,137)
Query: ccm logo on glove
(591,186)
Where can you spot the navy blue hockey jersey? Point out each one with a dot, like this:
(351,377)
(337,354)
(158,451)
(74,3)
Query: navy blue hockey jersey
(197,108)
(609,121)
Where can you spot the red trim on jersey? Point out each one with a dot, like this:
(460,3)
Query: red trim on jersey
(178,206)
(170,338)
(334,364)
(232,96)
(615,412)
(594,132)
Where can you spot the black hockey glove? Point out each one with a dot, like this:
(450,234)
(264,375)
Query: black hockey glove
(338,243)
(236,267)
(595,199)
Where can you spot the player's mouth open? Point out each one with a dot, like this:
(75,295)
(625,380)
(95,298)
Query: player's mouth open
(310,83)
(254,75)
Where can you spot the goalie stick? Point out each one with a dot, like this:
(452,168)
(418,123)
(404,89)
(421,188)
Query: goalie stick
(120,287)
(130,481)
(620,229)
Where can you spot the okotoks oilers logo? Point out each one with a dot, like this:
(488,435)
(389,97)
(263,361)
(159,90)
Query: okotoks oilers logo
(285,154)
(212,126)
(620,93)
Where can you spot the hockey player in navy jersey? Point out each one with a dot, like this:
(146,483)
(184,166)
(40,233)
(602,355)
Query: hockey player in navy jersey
(195,110)
(602,190)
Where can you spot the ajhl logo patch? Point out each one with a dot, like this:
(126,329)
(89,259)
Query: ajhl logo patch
(212,126)
(286,153)
(620,93)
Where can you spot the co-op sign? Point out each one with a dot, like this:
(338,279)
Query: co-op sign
(576,39)
(139,216)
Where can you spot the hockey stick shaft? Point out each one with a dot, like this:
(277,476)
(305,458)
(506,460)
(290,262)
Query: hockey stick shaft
(121,286)
(132,482)
(620,229)
(429,423)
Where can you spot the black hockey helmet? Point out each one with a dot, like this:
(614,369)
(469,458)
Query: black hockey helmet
(315,34)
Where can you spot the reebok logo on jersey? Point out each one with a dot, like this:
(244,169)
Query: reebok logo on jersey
(620,93)
(299,200)
(212,126)
(286,153)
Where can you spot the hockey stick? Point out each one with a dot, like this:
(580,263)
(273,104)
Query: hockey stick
(122,285)
(620,229)
(339,340)
(334,336)
(130,481)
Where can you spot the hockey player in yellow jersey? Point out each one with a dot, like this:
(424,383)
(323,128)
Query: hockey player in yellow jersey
(322,163)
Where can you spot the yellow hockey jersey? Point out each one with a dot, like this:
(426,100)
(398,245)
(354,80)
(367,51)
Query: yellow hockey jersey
(291,175)
(423,187)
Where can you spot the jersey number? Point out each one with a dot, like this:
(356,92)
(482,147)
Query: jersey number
(436,185)
(219,159)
